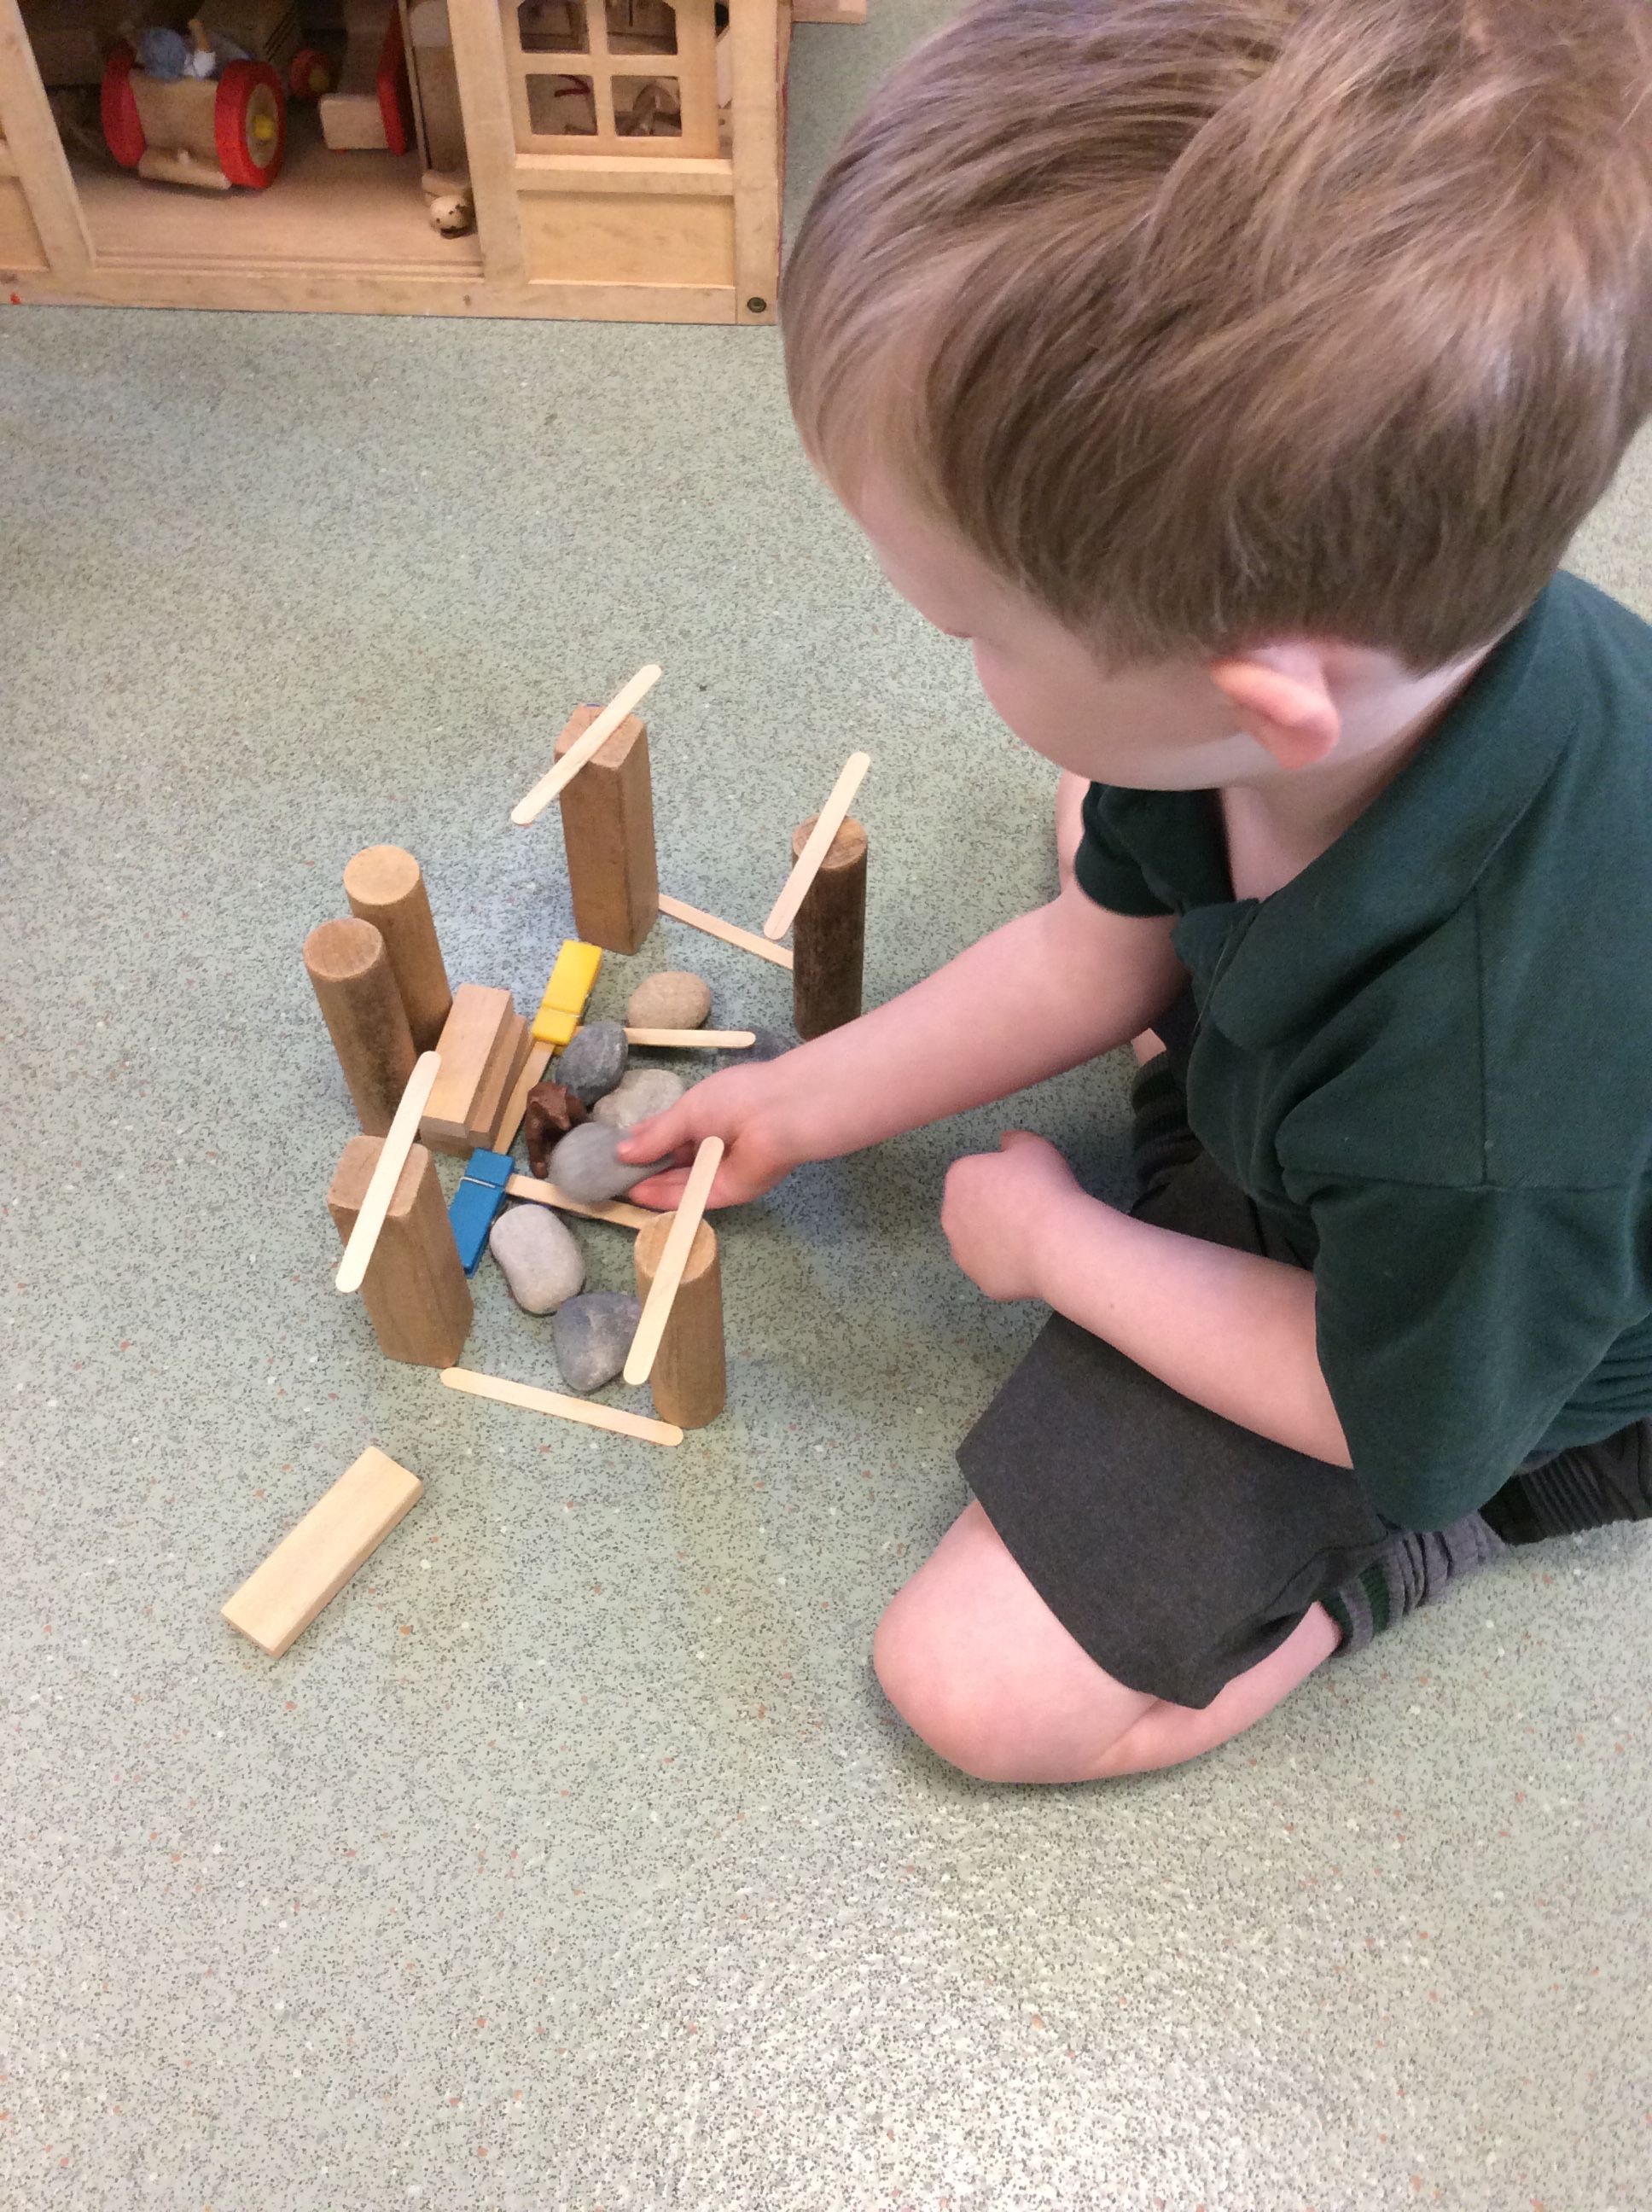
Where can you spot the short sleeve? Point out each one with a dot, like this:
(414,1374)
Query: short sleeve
(1455,1324)
(1108,869)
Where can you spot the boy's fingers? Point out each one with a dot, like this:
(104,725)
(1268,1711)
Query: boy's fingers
(663,1191)
(1012,1137)
(660,1133)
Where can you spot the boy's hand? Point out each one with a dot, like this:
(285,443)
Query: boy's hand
(998,1209)
(743,1106)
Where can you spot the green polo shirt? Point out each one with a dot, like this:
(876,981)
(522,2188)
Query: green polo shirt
(1428,1059)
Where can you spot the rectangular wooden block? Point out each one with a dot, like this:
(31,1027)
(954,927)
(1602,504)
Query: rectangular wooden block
(495,1086)
(311,1564)
(608,833)
(477,1028)
(505,1129)
(414,1291)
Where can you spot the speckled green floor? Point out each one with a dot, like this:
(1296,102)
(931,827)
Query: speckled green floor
(572,1859)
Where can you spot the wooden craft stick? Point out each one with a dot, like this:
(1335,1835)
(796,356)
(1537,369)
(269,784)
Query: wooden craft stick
(546,1194)
(566,1409)
(784,912)
(392,1158)
(510,1121)
(693,1040)
(672,1261)
(586,748)
(748,941)
(313,1561)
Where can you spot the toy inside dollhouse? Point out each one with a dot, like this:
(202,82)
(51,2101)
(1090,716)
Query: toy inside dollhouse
(260,130)
(318,132)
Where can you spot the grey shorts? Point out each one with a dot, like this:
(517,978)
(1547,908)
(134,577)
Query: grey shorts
(1178,1549)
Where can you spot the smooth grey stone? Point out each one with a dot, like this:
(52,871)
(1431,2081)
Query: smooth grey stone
(594,1060)
(592,1335)
(542,1262)
(677,999)
(640,1092)
(584,1165)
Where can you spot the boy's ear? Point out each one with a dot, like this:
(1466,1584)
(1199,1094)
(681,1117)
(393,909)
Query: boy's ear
(1281,698)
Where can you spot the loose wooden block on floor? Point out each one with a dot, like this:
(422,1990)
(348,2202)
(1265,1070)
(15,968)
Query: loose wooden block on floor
(311,1564)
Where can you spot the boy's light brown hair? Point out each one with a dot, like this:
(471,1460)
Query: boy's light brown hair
(1212,321)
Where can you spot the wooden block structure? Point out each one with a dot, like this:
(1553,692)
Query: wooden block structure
(384,885)
(571,982)
(370,110)
(313,1561)
(689,1378)
(506,1128)
(479,1046)
(355,985)
(829,936)
(608,835)
(415,1290)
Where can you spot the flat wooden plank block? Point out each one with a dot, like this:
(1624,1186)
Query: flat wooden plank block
(311,1564)
(583,1410)
(469,1037)
(509,1124)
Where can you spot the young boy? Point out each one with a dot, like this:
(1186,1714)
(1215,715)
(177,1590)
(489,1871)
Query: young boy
(1233,374)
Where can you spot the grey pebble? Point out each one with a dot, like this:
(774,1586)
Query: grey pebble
(674,1001)
(594,1060)
(592,1335)
(542,1264)
(640,1092)
(585,1165)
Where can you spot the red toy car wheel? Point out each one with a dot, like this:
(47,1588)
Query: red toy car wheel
(310,75)
(123,127)
(249,123)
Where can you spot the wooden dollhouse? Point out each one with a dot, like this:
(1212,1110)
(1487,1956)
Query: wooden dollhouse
(614,160)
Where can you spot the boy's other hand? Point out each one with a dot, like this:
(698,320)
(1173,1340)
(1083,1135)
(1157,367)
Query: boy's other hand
(740,1106)
(998,1209)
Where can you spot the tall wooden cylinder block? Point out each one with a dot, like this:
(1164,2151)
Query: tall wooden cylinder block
(356,987)
(415,1290)
(689,1380)
(829,937)
(386,886)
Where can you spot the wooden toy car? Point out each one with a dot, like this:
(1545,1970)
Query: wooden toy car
(212,133)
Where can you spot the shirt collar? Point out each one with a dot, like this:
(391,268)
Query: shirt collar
(1271,968)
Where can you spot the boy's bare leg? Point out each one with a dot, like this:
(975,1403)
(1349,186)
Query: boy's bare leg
(976,1664)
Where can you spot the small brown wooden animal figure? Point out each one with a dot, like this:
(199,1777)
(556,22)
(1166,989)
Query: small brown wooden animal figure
(552,1109)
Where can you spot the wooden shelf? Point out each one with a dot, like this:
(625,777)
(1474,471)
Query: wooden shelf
(324,210)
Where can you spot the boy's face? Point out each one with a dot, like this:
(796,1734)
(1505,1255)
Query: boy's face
(1165,727)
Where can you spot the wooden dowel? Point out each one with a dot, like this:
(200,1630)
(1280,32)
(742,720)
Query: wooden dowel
(690,1379)
(530,808)
(384,885)
(386,1174)
(748,940)
(566,1409)
(355,987)
(510,1121)
(693,1040)
(672,1261)
(830,935)
(807,864)
(546,1194)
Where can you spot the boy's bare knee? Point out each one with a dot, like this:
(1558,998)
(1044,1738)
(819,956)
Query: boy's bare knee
(939,1695)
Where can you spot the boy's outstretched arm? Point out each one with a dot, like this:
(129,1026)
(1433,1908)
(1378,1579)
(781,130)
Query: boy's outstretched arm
(1231,1330)
(1046,992)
